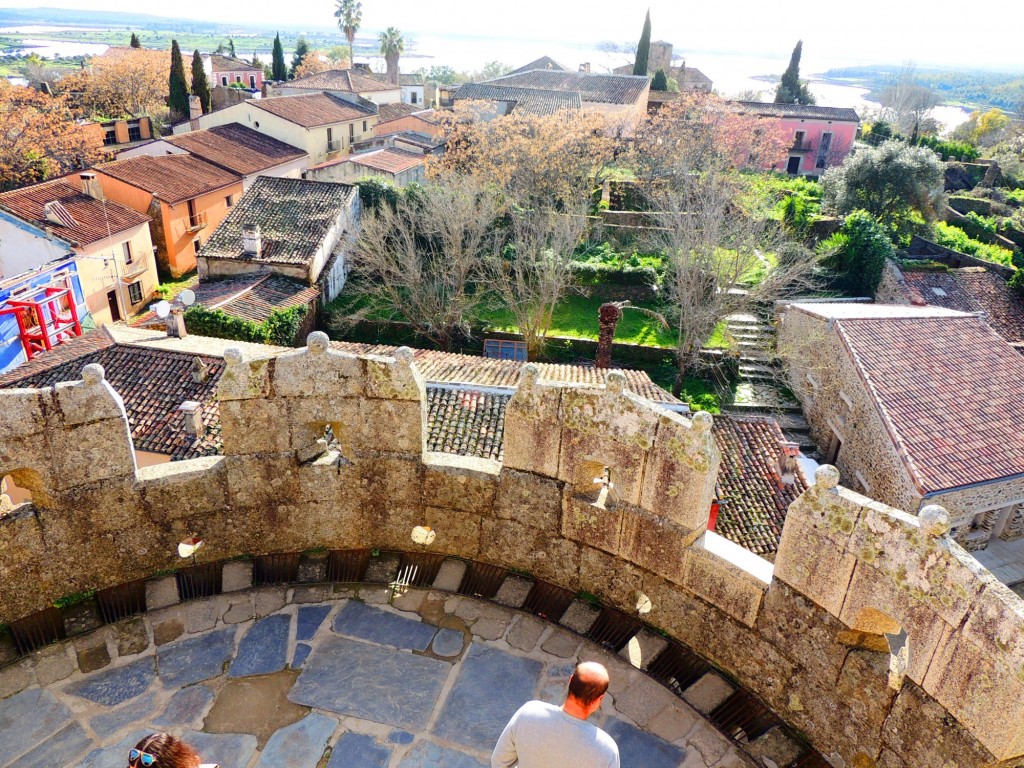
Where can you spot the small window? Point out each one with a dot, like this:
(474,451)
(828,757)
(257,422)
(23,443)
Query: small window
(135,292)
(252,81)
(134,133)
(230,200)
(109,137)
(196,245)
(364,126)
(256,124)
(351,131)
(224,80)
(238,78)
(412,97)
(126,247)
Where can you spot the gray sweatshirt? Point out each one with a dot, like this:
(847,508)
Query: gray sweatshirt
(541,735)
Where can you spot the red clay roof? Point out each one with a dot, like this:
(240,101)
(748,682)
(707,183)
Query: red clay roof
(950,392)
(237,148)
(314,109)
(152,382)
(389,160)
(173,178)
(93,219)
(753,498)
(341,80)
(388,112)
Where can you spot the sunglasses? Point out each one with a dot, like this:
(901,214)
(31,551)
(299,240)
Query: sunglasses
(142,758)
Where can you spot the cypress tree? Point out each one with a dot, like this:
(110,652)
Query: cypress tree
(277,66)
(135,43)
(643,48)
(178,96)
(200,85)
(660,81)
(789,86)
(301,50)
(231,48)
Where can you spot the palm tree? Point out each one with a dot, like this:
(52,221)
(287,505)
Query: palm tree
(349,14)
(392,46)
(608,317)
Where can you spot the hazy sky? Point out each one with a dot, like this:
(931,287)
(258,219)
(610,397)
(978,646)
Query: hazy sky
(870,31)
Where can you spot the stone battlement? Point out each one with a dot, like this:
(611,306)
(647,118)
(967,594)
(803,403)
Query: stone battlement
(873,634)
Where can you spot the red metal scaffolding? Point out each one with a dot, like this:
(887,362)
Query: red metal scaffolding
(46,315)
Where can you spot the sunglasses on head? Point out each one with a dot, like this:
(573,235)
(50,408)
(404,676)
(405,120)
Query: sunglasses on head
(136,756)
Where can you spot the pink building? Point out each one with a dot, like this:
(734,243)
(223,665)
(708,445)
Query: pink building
(225,70)
(822,136)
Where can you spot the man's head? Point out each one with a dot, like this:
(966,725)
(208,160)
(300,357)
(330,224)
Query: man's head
(587,686)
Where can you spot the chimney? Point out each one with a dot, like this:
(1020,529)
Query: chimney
(585,67)
(252,241)
(788,463)
(91,185)
(176,323)
(195,107)
(193,417)
(200,371)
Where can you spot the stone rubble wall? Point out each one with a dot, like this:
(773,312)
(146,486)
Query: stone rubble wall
(945,688)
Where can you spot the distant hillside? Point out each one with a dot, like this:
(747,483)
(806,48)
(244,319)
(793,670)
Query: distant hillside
(973,88)
(10,17)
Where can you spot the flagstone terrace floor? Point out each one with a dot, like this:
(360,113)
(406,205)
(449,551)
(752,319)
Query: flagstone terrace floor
(426,682)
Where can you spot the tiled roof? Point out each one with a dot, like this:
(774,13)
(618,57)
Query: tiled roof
(532,100)
(452,368)
(237,148)
(294,217)
(174,178)
(692,75)
(864,311)
(388,112)
(753,499)
(221,63)
(340,80)
(971,289)
(422,140)
(93,219)
(842,114)
(152,382)
(314,109)
(466,422)
(609,89)
(389,160)
(950,392)
(544,62)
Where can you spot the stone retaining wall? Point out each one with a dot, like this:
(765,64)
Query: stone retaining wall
(874,635)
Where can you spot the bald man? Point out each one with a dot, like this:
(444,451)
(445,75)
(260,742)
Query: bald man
(541,735)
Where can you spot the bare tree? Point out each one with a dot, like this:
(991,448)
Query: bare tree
(906,103)
(711,245)
(420,260)
(534,273)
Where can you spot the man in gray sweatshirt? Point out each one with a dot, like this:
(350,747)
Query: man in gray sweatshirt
(541,735)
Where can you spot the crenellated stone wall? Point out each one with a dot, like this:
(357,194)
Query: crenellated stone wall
(873,634)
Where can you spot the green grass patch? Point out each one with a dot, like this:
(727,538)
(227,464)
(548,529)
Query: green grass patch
(955,238)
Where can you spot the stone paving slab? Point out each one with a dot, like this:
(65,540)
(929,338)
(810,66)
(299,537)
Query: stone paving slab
(111,721)
(185,707)
(491,686)
(68,743)
(300,745)
(263,648)
(639,748)
(302,651)
(185,662)
(228,750)
(115,755)
(367,623)
(26,719)
(371,682)
(115,686)
(309,619)
(359,750)
(429,755)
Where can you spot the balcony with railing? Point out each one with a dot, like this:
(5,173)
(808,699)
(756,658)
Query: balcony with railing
(197,221)
(334,146)
(803,145)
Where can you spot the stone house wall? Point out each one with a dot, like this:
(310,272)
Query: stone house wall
(805,634)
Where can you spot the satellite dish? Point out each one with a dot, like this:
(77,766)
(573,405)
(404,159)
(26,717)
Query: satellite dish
(163,309)
(187,297)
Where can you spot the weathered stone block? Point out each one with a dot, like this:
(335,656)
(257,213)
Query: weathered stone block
(131,636)
(656,543)
(236,575)
(679,480)
(529,499)
(449,576)
(81,618)
(318,372)
(708,692)
(525,633)
(642,649)
(161,592)
(580,616)
(777,745)
(533,429)
(254,426)
(513,591)
(532,550)
(391,426)
(393,378)
(727,576)
(643,700)
(810,561)
(89,453)
(88,400)
(313,567)
(616,582)
(593,524)
(53,663)
(15,678)
(455,483)
(243,379)
(184,489)
(382,569)
(93,657)
(22,413)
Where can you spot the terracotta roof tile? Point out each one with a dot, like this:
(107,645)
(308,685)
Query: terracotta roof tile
(174,178)
(753,499)
(92,217)
(389,160)
(950,391)
(535,101)
(766,109)
(466,422)
(152,382)
(220,63)
(341,80)
(294,216)
(610,89)
(544,62)
(237,148)
(388,112)
(314,109)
